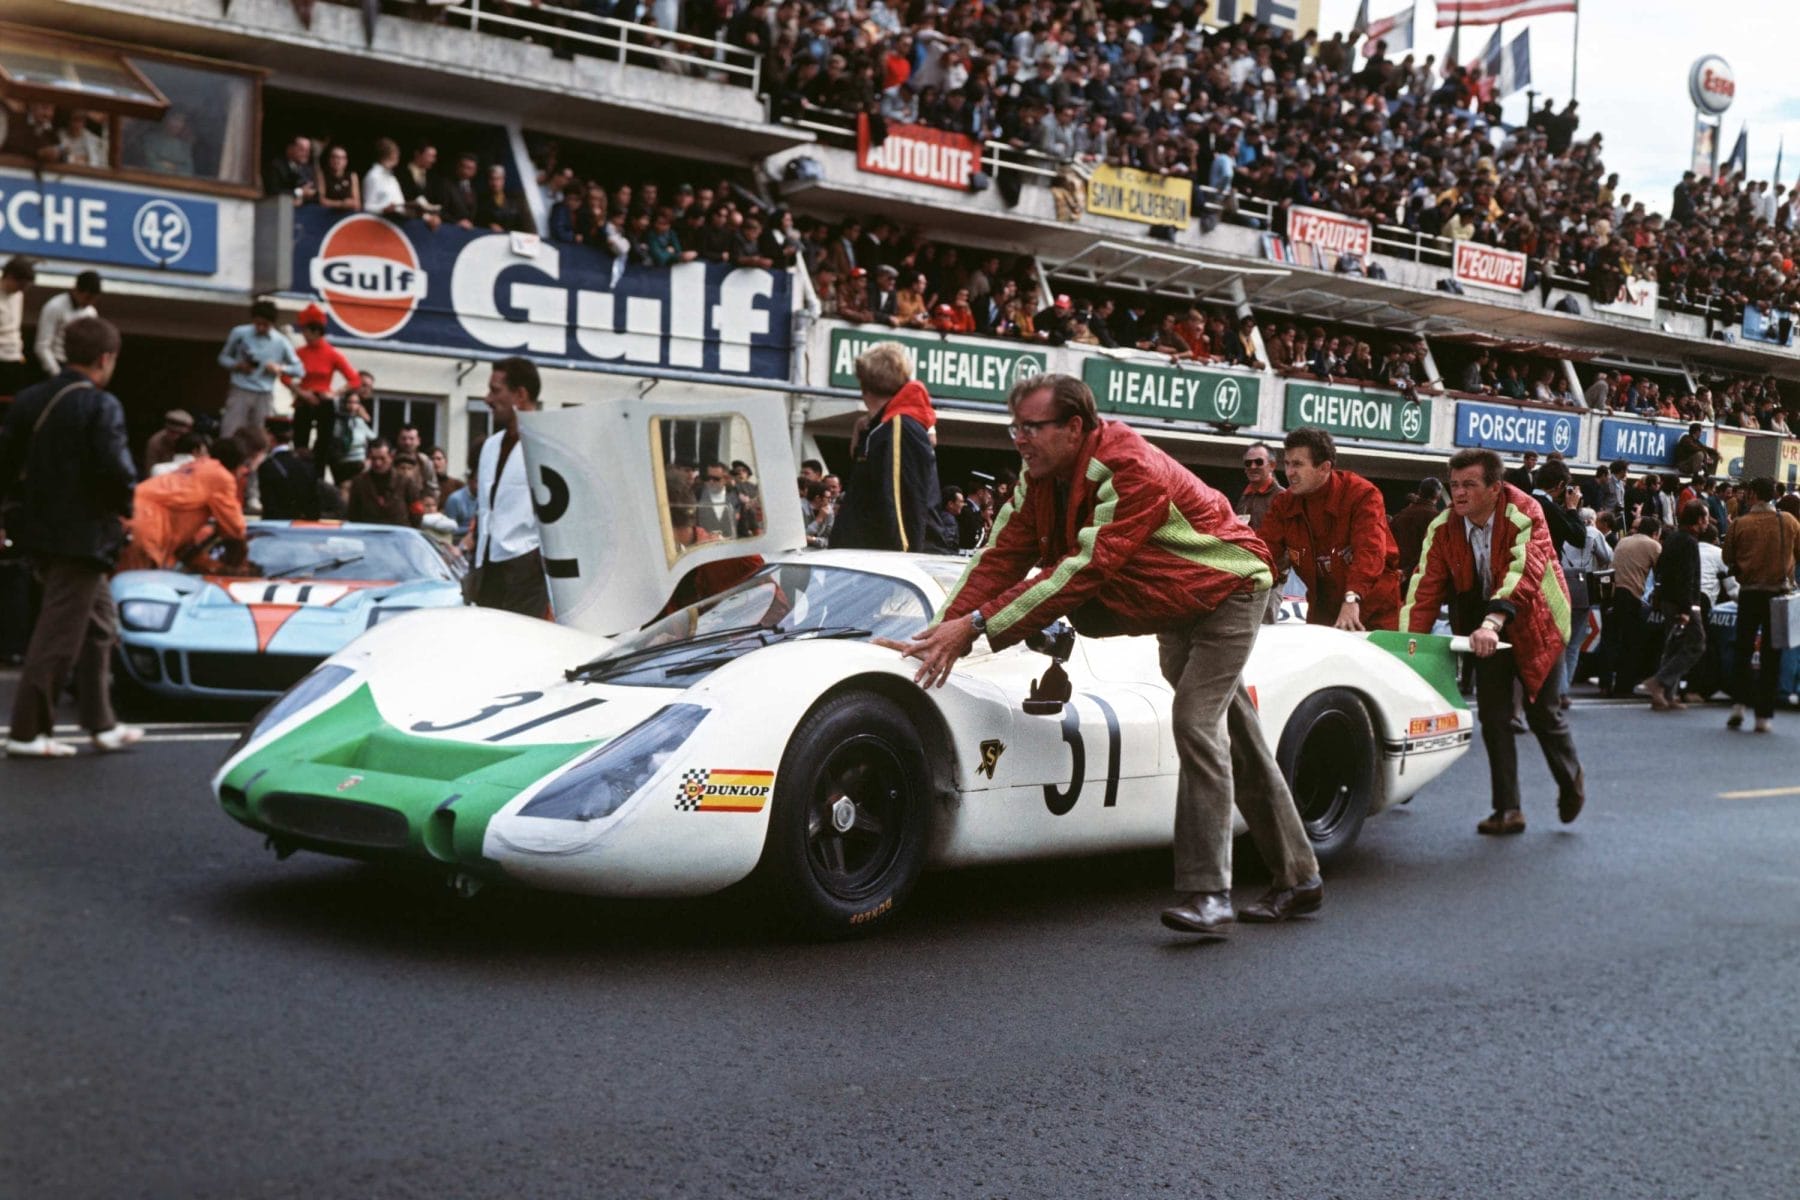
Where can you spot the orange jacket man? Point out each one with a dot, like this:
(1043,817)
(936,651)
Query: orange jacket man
(1332,526)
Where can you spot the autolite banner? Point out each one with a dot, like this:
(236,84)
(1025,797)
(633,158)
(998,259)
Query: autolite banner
(1330,231)
(1490,267)
(919,153)
(409,287)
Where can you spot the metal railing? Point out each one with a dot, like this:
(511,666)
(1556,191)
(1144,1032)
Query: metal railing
(626,42)
(835,127)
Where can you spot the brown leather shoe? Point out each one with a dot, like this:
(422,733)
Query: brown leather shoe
(1207,913)
(1569,802)
(1502,821)
(1659,697)
(1278,904)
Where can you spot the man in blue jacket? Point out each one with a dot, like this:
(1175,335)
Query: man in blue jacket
(65,488)
(892,499)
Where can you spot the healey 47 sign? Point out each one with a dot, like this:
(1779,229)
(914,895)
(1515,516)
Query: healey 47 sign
(1490,267)
(1330,231)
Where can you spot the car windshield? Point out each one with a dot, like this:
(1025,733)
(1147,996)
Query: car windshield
(332,553)
(792,598)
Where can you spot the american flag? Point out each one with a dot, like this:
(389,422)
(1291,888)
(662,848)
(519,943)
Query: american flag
(1492,12)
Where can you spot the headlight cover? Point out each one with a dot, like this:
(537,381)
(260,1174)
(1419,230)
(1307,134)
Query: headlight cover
(598,784)
(147,616)
(311,687)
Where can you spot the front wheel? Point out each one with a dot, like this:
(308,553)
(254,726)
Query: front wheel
(1328,755)
(847,832)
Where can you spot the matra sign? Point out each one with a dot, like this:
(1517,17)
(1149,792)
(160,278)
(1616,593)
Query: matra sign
(462,290)
(1330,231)
(1490,267)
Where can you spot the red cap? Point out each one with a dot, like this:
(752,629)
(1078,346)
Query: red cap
(1064,302)
(312,314)
(944,310)
(857,272)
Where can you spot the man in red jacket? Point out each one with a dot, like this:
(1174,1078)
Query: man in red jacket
(1490,557)
(1332,526)
(1130,542)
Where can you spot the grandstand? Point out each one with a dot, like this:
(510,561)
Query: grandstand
(1226,231)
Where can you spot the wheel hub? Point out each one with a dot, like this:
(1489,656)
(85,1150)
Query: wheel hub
(843,814)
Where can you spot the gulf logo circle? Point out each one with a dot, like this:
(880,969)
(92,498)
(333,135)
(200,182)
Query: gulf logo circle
(368,276)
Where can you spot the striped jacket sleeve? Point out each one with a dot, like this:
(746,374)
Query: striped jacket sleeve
(1431,584)
(1127,509)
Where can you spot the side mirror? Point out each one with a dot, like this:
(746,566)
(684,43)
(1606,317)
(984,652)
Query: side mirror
(1053,690)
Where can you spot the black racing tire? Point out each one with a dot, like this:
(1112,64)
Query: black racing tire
(841,871)
(1329,756)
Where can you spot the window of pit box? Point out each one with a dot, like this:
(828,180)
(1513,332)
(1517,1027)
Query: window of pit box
(125,114)
(690,517)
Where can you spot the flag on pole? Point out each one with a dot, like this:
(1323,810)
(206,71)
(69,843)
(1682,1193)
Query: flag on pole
(1360,26)
(1492,12)
(1780,146)
(1507,68)
(1739,162)
(1454,52)
(1396,31)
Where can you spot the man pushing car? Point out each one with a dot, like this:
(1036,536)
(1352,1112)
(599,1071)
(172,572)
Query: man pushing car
(1131,542)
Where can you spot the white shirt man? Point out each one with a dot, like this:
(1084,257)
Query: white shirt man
(508,563)
(56,314)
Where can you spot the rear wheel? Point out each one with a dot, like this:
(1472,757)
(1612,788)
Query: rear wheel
(847,832)
(1329,755)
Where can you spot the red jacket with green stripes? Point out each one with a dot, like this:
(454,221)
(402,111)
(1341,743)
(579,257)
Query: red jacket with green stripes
(1142,546)
(1528,584)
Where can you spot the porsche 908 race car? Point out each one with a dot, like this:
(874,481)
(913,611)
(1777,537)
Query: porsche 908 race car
(319,584)
(760,733)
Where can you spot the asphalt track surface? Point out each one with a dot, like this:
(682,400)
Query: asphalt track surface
(1608,1009)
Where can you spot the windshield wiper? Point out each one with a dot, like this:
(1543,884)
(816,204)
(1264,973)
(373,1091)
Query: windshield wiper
(330,564)
(694,666)
(606,664)
(603,668)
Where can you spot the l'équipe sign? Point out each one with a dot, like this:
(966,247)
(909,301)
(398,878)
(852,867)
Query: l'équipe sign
(1150,390)
(919,153)
(1330,231)
(121,227)
(1489,267)
(1354,413)
(1639,442)
(1500,427)
(954,370)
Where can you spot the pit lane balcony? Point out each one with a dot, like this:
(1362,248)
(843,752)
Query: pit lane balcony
(648,88)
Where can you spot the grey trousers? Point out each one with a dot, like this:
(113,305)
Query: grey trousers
(1495,677)
(1224,759)
(1682,648)
(76,628)
(245,409)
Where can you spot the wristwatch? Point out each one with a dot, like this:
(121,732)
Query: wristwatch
(1352,598)
(978,623)
(1493,622)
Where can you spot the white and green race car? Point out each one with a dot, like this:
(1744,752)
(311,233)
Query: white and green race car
(758,733)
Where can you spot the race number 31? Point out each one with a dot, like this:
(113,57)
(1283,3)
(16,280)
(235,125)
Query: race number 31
(162,232)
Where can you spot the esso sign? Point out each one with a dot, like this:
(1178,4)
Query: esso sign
(368,275)
(1711,84)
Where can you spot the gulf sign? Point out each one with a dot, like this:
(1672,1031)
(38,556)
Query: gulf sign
(1330,231)
(919,153)
(1711,85)
(1489,267)
(471,291)
(368,276)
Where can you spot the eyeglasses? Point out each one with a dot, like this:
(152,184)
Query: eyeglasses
(1030,429)
(1255,462)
